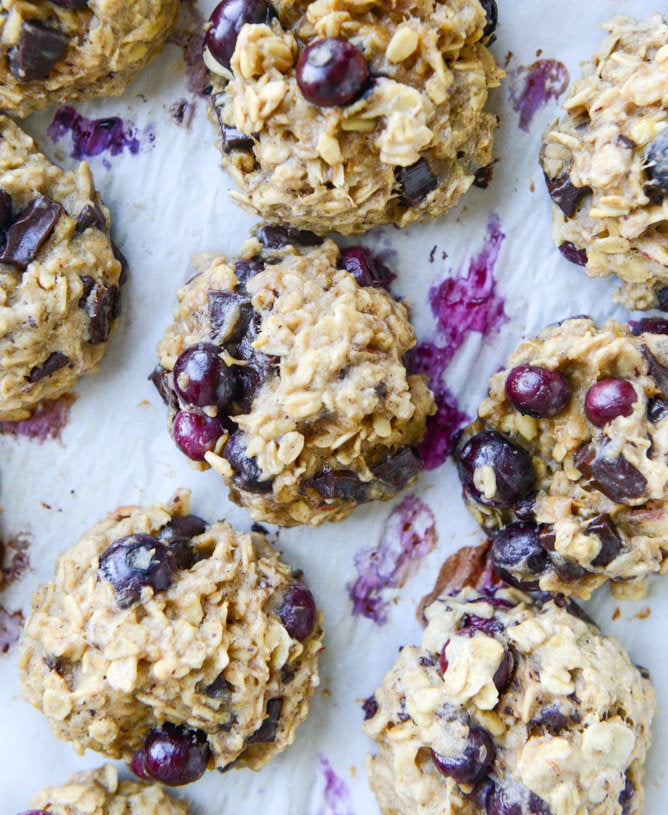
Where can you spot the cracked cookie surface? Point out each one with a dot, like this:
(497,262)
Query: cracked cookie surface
(99,792)
(287,376)
(567,463)
(606,163)
(59,275)
(164,636)
(510,706)
(395,139)
(66,50)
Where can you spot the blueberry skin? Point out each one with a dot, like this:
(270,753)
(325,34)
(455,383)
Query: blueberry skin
(136,561)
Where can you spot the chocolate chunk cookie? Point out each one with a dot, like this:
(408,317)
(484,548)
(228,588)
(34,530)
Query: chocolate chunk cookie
(343,116)
(52,51)
(59,275)
(606,163)
(99,792)
(173,644)
(284,371)
(567,463)
(510,708)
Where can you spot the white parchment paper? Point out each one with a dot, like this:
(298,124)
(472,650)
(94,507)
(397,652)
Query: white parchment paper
(169,201)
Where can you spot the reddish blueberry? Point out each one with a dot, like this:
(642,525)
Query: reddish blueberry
(537,391)
(609,398)
(297,611)
(331,72)
(474,764)
(226,22)
(195,434)
(511,466)
(174,755)
(201,378)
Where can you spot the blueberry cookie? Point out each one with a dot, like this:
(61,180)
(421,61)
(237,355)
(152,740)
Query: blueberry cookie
(285,372)
(173,644)
(52,51)
(59,275)
(510,708)
(567,463)
(606,163)
(343,116)
(99,792)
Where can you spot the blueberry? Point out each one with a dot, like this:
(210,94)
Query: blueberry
(474,764)
(492,13)
(571,252)
(230,314)
(518,555)
(511,466)
(331,72)
(370,708)
(136,561)
(365,267)
(537,391)
(247,474)
(398,469)
(340,484)
(626,796)
(609,398)
(226,22)
(195,434)
(517,800)
(657,409)
(656,168)
(174,755)
(201,377)
(297,611)
(650,325)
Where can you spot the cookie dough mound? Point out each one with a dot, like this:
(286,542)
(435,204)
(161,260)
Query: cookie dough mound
(59,275)
(339,116)
(99,792)
(567,462)
(287,376)
(510,707)
(52,51)
(173,644)
(606,163)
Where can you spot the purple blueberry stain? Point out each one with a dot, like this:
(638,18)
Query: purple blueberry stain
(336,793)
(94,137)
(533,86)
(464,303)
(189,37)
(11,623)
(408,535)
(46,423)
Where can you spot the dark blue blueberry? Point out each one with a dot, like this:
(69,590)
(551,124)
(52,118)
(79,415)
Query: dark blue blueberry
(537,391)
(475,762)
(518,555)
(227,20)
(174,755)
(297,611)
(134,562)
(513,470)
(331,72)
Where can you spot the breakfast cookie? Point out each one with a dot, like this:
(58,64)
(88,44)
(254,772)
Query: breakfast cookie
(606,163)
(339,116)
(59,275)
(567,463)
(285,372)
(99,792)
(510,708)
(173,644)
(52,51)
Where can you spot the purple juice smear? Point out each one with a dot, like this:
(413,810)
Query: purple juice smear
(336,794)
(189,37)
(408,535)
(14,567)
(92,137)
(533,86)
(11,623)
(47,422)
(462,304)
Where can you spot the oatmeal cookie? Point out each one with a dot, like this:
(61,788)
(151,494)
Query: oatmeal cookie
(59,275)
(345,115)
(510,708)
(606,163)
(172,644)
(284,371)
(53,51)
(99,792)
(567,463)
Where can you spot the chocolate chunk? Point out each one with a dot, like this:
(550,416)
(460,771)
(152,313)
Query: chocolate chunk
(649,325)
(616,478)
(5,208)
(266,732)
(251,377)
(341,484)
(275,237)
(662,297)
(230,313)
(398,469)
(415,182)
(218,689)
(657,409)
(246,470)
(569,605)
(569,570)
(161,379)
(101,303)
(657,371)
(565,194)
(483,176)
(245,269)
(573,254)
(524,508)
(233,139)
(91,215)
(611,545)
(37,51)
(54,362)
(30,231)
(120,257)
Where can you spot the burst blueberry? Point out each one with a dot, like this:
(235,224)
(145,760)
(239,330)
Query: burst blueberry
(510,464)
(135,562)
(331,72)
